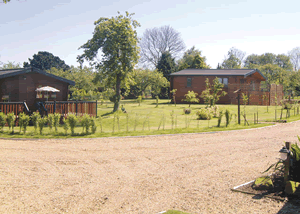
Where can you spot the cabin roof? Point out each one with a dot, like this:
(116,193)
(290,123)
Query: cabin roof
(217,72)
(18,71)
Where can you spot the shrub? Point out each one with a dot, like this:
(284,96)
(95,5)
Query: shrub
(41,123)
(72,121)
(187,111)
(215,111)
(220,118)
(50,121)
(204,114)
(65,125)
(85,123)
(228,117)
(93,125)
(34,118)
(10,118)
(2,120)
(56,118)
(23,121)
(191,97)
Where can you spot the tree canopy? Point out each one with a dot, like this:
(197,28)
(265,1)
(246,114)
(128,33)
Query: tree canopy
(192,59)
(166,65)
(233,59)
(45,61)
(280,60)
(117,41)
(144,80)
(157,41)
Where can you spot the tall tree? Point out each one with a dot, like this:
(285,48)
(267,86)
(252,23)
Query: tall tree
(157,41)
(295,58)
(9,65)
(166,65)
(45,61)
(192,59)
(5,1)
(144,79)
(117,40)
(281,60)
(233,59)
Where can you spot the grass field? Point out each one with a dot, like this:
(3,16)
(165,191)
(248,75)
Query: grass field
(147,119)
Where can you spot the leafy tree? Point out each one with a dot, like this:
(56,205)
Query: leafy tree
(84,78)
(281,60)
(234,59)
(156,41)
(191,97)
(5,1)
(142,80)
(166,65)
(117,40)
(212,93)
(45,61)
(295,58)
(275,74)
(192,59)
(10,65)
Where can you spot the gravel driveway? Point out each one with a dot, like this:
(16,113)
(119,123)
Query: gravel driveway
(188,172)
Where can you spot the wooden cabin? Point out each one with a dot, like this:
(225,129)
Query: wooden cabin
(20,84)
(248,80)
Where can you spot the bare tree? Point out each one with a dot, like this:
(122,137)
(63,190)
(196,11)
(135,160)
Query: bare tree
(156,41)
(295,58)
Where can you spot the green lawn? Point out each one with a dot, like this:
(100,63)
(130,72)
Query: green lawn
(147,119)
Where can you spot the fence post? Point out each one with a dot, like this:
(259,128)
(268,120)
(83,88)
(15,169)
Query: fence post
(54,107)
(76,107)
(96,108)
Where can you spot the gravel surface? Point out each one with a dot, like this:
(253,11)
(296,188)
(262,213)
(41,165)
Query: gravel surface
(187,172)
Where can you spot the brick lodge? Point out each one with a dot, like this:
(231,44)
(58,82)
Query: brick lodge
(247,80)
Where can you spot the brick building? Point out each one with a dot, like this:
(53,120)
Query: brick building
(18,85)
(248,80)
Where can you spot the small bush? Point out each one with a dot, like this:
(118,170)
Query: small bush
(72,121)
(56,118)
(34,118)
(187,111)
(220,118)
(23,121)
(10,118)
(65,125)
(215,111)
(41,123)
(204,114)
(93,125)
(228,117)
(50,121)
(85,123)
(2,120)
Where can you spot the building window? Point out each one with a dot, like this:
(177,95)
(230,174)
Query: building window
(242,81)
(53,95)
(224,81)
(39,94)
(189,82)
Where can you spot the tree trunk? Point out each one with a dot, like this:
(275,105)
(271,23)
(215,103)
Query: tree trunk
(118,93)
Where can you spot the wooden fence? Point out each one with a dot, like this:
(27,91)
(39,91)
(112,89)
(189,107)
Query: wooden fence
(15,107)
(73,107)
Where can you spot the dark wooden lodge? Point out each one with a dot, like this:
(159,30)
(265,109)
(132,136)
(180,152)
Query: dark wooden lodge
(19,85)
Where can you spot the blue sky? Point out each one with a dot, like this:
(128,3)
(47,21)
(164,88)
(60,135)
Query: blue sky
(62,26)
